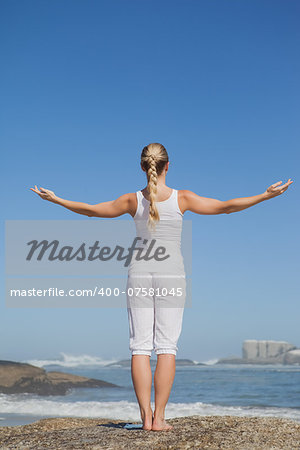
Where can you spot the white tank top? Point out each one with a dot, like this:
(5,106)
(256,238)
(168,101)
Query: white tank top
(166,234)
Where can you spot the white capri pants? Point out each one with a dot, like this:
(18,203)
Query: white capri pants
(155,305)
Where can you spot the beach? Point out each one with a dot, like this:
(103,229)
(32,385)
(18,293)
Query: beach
(194,432)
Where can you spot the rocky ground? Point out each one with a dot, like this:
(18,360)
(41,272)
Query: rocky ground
(195,432)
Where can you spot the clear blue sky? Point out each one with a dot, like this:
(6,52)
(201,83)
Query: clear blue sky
(85,85)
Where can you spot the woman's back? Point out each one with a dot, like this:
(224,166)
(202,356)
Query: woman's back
(168,208)
(167,233)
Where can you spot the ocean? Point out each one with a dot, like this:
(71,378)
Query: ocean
(211,389)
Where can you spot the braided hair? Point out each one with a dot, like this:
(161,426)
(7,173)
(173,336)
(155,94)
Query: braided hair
(153,160)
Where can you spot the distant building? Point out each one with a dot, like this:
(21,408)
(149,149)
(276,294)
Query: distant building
(265,352)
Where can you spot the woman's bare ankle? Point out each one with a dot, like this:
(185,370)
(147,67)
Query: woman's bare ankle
(146,412)
(160,424)
(147,418)
(158,416)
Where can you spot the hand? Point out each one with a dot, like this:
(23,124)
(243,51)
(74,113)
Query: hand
(275,189)
(45,194)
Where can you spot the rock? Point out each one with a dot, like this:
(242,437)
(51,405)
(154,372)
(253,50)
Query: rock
(188,362)
(11,372)
(18,377)
(121,363)
(194,432)
(231,360)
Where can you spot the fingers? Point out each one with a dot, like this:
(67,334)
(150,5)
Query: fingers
(276,184)
(41,192)
(285,186)
(279,188)
(36,189)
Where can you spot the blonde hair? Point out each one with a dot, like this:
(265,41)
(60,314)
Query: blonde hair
(153,160)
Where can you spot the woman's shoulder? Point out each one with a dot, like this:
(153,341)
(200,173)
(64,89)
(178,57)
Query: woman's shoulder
(184,193)
(183,198)
(132,202)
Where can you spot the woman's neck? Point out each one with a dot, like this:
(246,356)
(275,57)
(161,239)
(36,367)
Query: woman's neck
(161,187)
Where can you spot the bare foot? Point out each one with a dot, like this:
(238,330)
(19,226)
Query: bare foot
(147,419)
(161,425)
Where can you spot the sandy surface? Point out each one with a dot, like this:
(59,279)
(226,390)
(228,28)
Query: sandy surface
(194,432)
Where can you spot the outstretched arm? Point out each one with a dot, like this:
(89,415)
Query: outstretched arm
(113,208)
(203,205)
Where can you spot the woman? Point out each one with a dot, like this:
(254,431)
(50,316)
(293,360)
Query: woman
(154,327)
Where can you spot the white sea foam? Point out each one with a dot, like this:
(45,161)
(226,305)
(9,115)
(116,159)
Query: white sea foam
(210,362)
(124,410)
(67,360)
